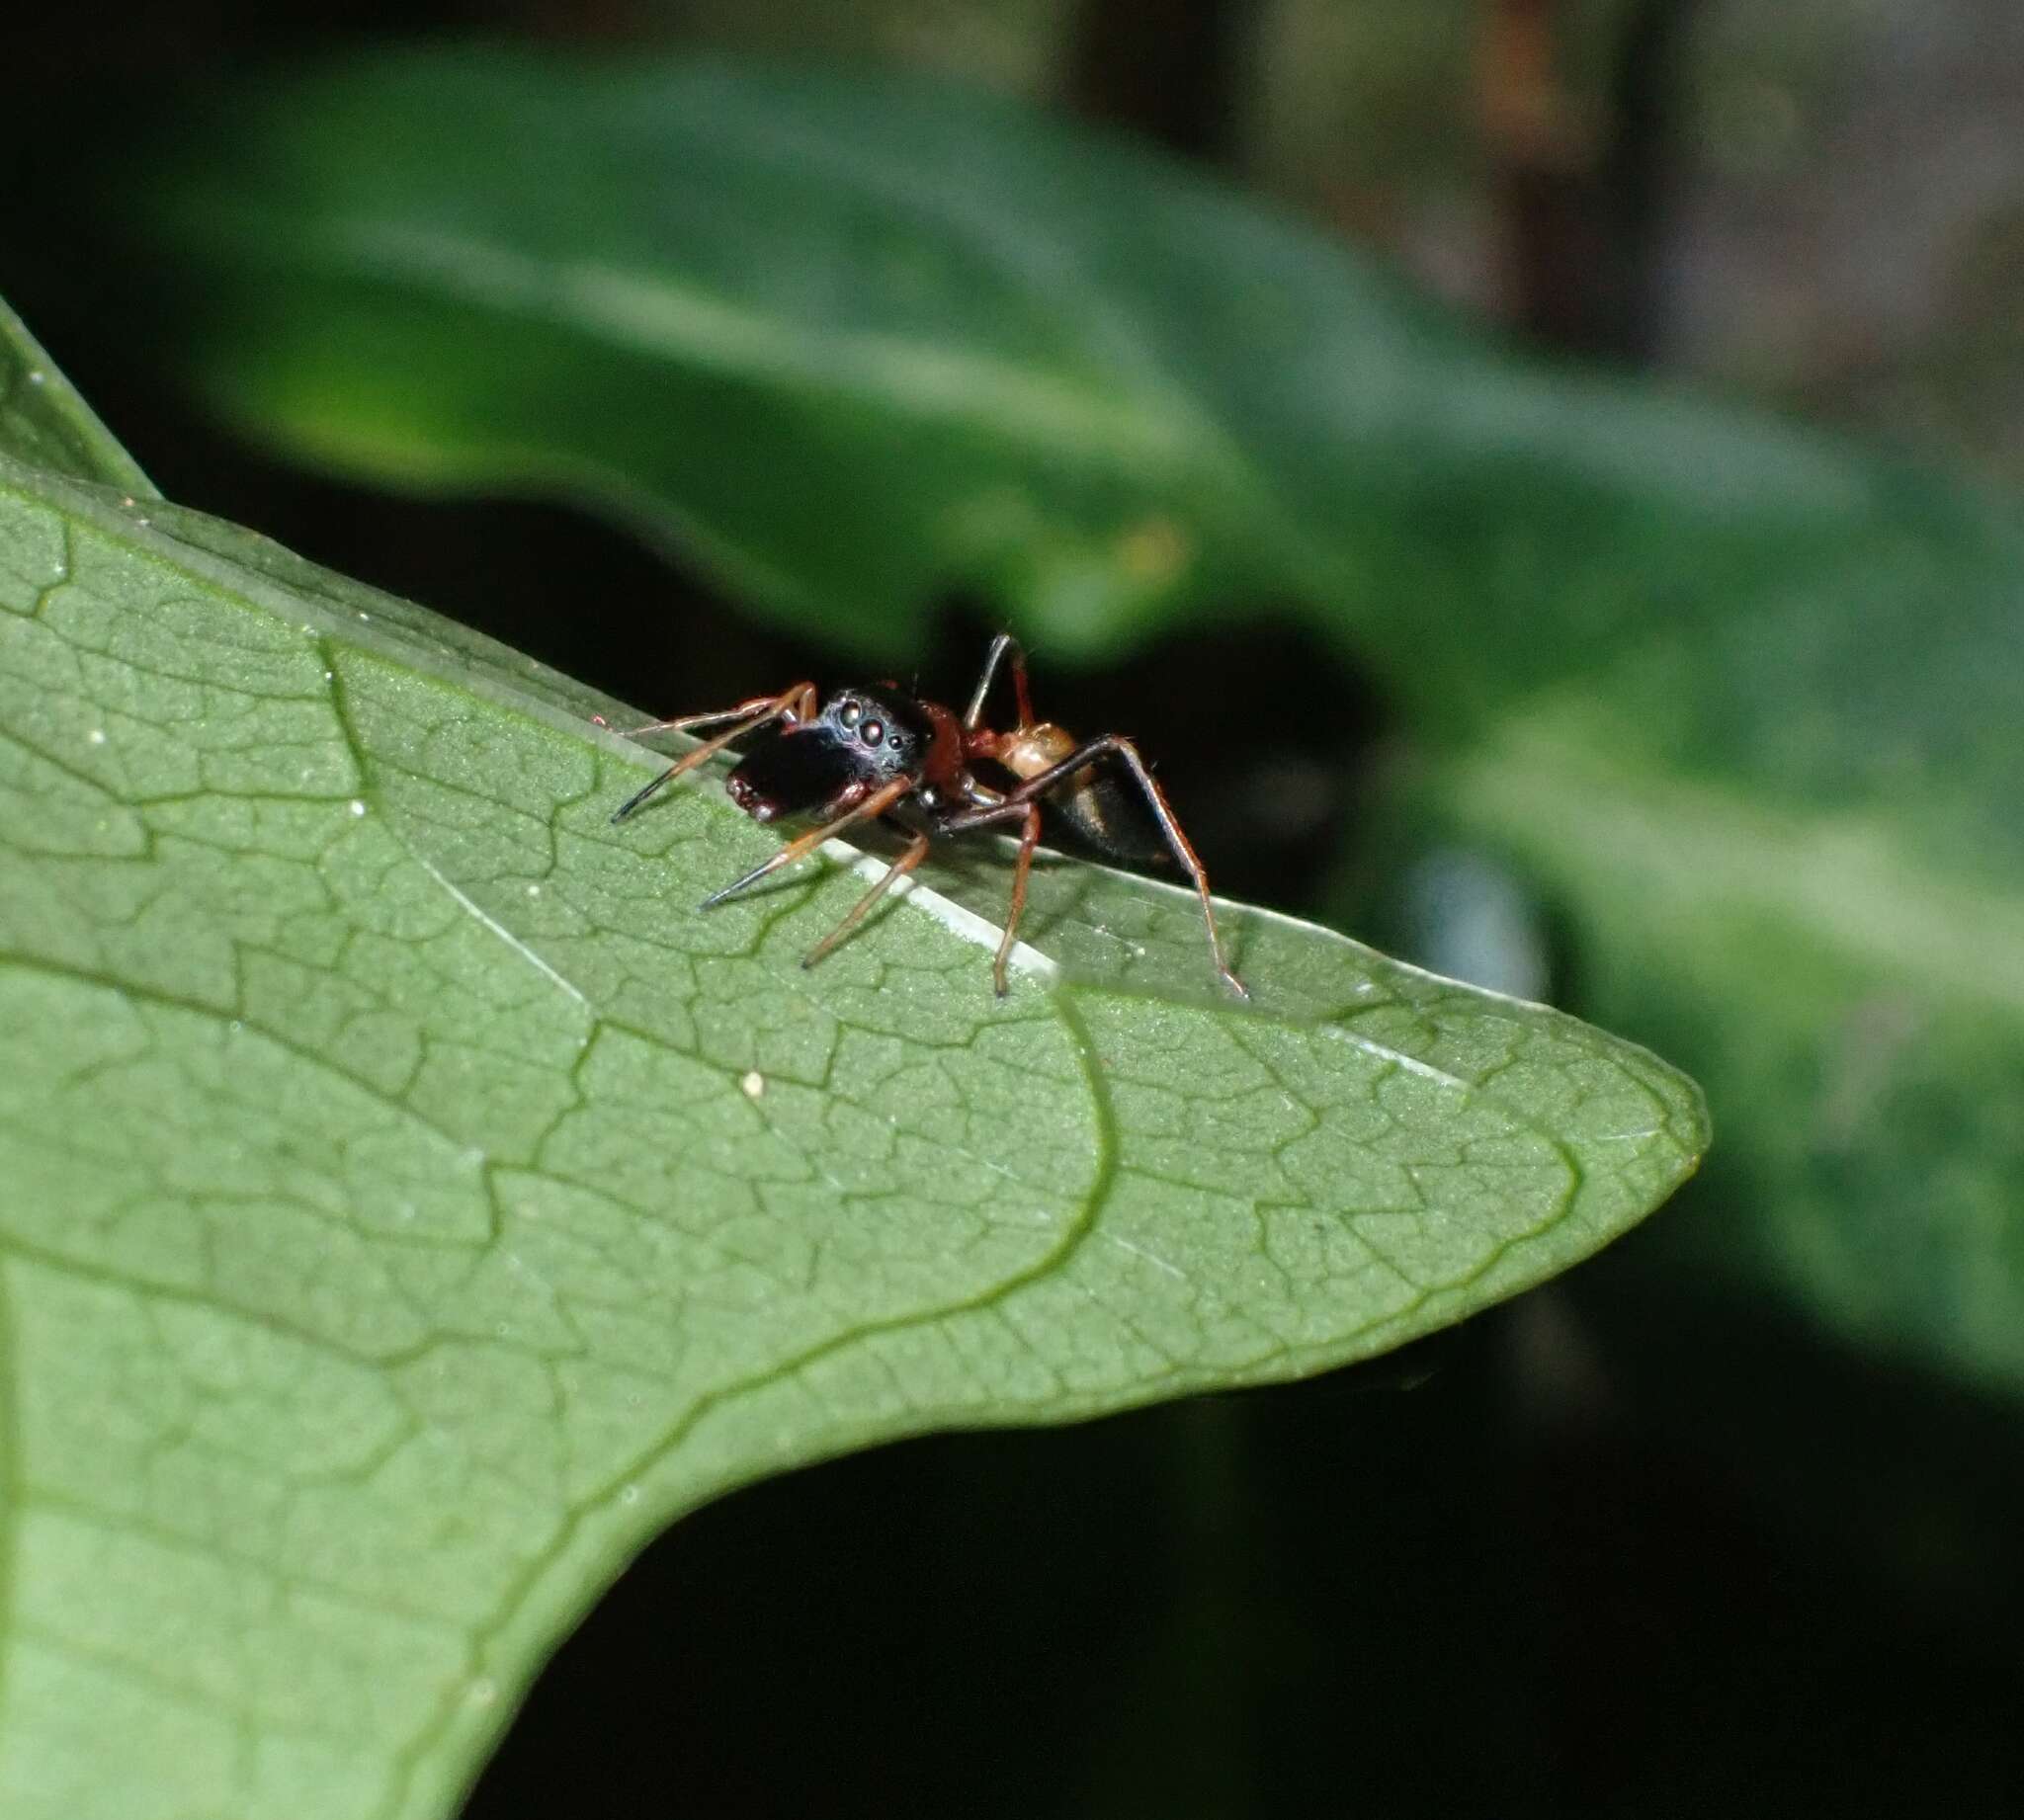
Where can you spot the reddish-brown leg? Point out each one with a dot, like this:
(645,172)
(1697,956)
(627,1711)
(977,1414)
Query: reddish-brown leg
(877,804)
(1003,646)
(916,851)
(1029,839)
(790,706)
(1106,745)
(984,815)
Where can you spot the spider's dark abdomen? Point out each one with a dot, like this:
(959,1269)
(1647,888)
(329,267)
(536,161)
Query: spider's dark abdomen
(1111,818)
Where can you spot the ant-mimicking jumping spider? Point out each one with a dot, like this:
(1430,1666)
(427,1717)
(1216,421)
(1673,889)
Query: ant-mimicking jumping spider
(864,753)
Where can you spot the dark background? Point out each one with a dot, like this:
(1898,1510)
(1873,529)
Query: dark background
(1548,1562)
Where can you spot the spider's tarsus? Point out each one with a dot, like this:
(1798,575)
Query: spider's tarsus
(733,888)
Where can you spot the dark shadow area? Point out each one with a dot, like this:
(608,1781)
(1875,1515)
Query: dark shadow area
(1485,1593)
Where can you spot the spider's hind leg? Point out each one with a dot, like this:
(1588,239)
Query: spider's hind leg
(1106,745)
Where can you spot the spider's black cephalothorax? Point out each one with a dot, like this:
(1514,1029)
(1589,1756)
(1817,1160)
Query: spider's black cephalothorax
(866,752)
(821,767)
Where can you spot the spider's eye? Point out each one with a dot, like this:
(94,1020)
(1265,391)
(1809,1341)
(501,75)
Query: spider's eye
(872,732)
(848,713)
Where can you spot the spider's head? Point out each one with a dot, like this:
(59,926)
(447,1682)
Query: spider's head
(860,741)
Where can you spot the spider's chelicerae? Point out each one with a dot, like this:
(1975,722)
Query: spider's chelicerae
(861,753)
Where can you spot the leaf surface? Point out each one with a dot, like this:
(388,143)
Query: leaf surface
(412,1203)
(1741,700)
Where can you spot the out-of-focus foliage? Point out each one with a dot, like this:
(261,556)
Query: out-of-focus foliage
(1742,702)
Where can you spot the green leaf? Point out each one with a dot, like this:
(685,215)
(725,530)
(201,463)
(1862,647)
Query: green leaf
(412,1203)
(1743,701)
(47,424)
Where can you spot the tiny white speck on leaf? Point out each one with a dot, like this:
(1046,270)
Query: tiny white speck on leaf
(484,1692)
(358,807)
(97,736)
(754,1084)
(629,1494)
(38,378)
(533,890)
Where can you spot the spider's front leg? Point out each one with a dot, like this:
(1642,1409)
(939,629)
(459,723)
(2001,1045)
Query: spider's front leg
(857,808)
(916,851)
(790,705)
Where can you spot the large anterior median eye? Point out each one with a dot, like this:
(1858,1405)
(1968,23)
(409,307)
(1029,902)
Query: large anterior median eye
(847,713)
(872,732)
